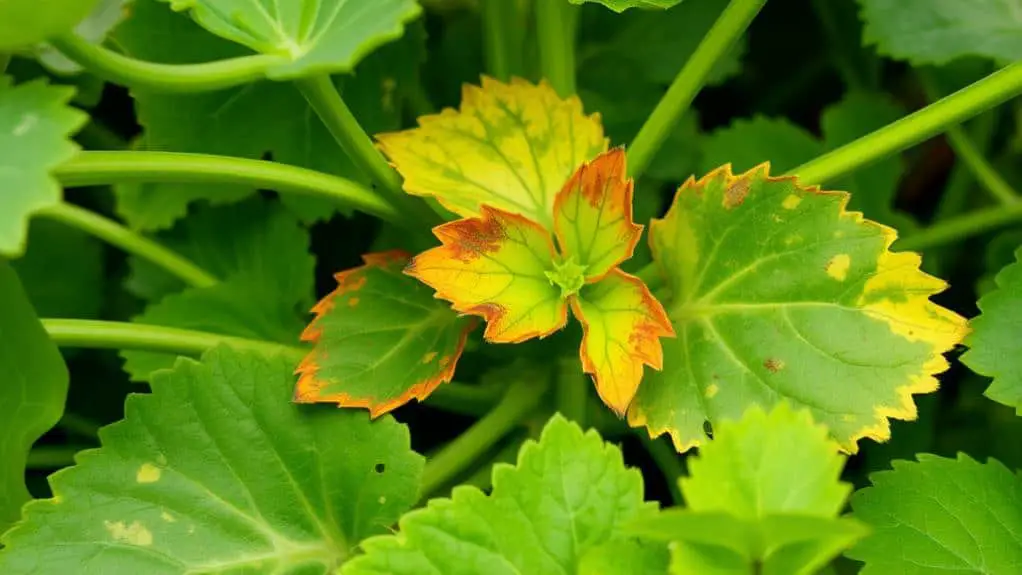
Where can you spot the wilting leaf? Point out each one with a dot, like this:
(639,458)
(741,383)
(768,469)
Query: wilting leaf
(569,493)
(510,146)
(310,36)
(995,344)
(622,5)
(937,32)
(764,491)
(495,266)
(593,215)
(776,292)
(216,471)
(622,324)
(381,339)
(26,22)
(33,393)
(941,515)
(35,125)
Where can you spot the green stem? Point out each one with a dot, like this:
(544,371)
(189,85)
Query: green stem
(667,460)
(455,457)
(962,227)
(97,334)
(721,37)
(79,425)
(572,391)
(502,33)
(985,173)
(131,242)
(96,168)
(322,95)
(53,457)
(555,28)
(914,128)
(482,477)
(120,69)
(96,136)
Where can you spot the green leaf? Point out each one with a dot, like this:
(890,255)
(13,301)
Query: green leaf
(622,5)
(1000,252)
(234,122)
(625,557)
(568,494)
(26,22)
(776,292)
(743,495)
(311,36)
(216,471)
(380,339)
(33,392)
(94,27)
(79,290)
(261,253)
(995,348)
(946,515)
(35,125)
(939,31)
(747,143)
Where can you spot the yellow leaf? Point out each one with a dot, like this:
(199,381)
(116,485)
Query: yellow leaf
(510,146)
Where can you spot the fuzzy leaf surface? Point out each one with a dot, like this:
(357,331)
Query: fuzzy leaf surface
(216,471)
(380,339)
(311,36)
(509,146)
(593,215)
(939,514)
(622,325)
(568,494)
(622,5)
(740,496)
(35,125)
(938,31)
(494,266)
(776,292)
(995,343)
(33,393)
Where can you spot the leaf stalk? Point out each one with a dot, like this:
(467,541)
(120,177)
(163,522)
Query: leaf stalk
(556,24)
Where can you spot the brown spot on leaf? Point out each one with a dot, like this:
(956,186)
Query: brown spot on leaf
(352,301)
(472,237)
(735,194)
(773,365)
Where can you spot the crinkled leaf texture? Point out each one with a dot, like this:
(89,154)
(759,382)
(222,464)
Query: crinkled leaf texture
(35,124)
(510,146)
(622,5)
(310,36)
(939,31)
(941,515)
(216,471)
(569,494)
(765,490)
(33,393)
(777,292)
(380,339)
(506,268)
(995,344)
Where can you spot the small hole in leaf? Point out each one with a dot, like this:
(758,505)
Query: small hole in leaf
(380,468)
(708,429)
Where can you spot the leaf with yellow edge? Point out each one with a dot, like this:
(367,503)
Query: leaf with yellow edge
(380,339)
(777,292)
(622,325)
(510,146)
(593,215)
(496,266)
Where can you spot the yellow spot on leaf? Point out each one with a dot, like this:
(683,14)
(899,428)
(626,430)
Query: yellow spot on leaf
(791,202)
(429,357)
(838,265)
(148,473)
(711,390)
(352,301)
(134,534)
(848,417)
(167,517)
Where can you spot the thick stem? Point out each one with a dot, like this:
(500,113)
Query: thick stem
(962,227)
(555,27)
(79,425)
(475,400)
(131,242)
(98,168)
(721,37)
(120,69)
(914,128)
(502,32)
(456,457)
(975,161)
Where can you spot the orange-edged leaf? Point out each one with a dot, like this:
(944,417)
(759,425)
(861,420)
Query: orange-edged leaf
(380,339)
(593,215)
(495,266)
(777,292)
(622,325)
(510,146)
